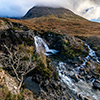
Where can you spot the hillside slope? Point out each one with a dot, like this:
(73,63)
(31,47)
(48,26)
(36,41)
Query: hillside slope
(39,11)
(60,20)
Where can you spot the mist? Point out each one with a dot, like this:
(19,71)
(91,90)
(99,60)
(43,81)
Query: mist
(89,9)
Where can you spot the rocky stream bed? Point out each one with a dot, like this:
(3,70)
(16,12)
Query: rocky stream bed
(75,78)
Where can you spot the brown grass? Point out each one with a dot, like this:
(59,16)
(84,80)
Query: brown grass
(70,26)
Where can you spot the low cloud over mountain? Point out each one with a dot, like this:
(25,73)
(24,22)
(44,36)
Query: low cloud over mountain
(89,9)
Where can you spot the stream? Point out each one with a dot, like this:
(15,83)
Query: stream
(81,87)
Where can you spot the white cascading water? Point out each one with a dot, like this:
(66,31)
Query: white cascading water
(81,87)
(41,46)
(92,55)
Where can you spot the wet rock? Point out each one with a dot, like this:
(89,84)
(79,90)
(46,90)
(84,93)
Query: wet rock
(82,73)
(81,97)
(69,61)
(70,69)
(62,86)
(71,99)
(37,78)
(75,77)
(85,72)
(54,84)
(81,69)
(87,98)
(96,84)
(98,53)
(97,81)
(1,65)
(46,83)
(71,73)
(77,94)
(88,77)
(82,78)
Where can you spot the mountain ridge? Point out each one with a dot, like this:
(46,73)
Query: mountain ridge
(39,11)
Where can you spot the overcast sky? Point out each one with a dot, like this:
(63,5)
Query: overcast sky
(89,9)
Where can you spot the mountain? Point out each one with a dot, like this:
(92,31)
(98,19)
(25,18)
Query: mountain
(39,11)
(60,20)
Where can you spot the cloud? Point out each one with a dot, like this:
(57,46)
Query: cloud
(89,9)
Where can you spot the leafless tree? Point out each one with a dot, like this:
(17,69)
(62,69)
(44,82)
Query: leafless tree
(21,63)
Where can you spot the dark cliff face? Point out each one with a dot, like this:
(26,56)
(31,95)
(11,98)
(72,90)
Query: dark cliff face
(44,11)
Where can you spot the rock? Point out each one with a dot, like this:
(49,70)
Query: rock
(97,80)
(69,61)
(71,99)
(15,87)
(62,86)
(75,77)
(70,69)
(82,78)
(85,72)
(96,85)
(37,78)
(81,97)
(77,94)
(98,53)
(54,84)
(52,95)
(88,77)
(82,69)
(46,83)
(82,73)
(1,65)
(87,98)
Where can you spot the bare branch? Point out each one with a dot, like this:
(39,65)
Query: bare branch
(15,60)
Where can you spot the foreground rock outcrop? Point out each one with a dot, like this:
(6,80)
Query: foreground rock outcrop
(8,81)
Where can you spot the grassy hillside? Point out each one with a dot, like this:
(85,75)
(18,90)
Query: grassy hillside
(70,26)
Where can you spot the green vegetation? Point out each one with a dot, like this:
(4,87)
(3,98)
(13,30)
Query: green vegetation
(44,68)
(74,48)
(6,95)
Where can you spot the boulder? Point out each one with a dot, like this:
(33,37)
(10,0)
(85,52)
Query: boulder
(98,53)
(75,77)
(96,84)
(37,78)
(62,86)
(45,83)
(81,97)
(87,98)
(88,77)
(54,84)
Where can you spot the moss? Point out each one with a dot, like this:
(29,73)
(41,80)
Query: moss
(20,97)
(73,48)
(29,41)
(57,87)
(1,99)
(56,76)
(9,96)
(44,67)
(25,48)
(6,23)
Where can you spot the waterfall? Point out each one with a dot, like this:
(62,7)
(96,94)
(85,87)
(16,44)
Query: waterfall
(81,87)
(41,46)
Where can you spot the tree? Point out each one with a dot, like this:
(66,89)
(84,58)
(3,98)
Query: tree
(20,62)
